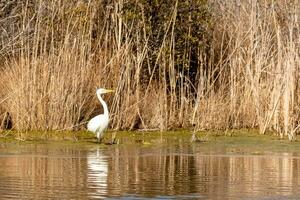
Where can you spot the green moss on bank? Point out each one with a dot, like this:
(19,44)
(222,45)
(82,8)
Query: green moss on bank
(237,139)
(242,141)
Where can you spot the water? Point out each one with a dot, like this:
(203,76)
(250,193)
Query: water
(174,171)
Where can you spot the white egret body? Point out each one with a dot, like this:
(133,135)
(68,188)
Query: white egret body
(99,123)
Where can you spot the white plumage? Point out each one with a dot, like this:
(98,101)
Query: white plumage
(99,123)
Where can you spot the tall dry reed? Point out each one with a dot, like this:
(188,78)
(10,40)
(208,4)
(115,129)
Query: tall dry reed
(208,64)
(262,62)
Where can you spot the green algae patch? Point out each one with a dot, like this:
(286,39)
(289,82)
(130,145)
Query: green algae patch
(243,140)
(250,141)
(44,136)
(150,136)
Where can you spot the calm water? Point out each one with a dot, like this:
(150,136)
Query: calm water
(182,171)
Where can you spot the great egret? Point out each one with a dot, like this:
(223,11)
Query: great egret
(99,123)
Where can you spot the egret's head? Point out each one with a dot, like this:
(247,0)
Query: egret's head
(103,91)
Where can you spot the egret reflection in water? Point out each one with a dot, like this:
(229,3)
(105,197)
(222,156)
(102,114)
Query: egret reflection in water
(97,172)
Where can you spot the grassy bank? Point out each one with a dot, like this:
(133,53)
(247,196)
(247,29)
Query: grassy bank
(208,64)
(235,142)
(233,137)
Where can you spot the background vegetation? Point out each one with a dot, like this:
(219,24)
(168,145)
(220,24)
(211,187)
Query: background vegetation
(210,64)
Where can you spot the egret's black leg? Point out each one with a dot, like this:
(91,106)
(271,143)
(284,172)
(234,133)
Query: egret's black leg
(100,140)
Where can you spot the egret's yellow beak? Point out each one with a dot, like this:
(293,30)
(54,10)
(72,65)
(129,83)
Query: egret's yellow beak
(108,91)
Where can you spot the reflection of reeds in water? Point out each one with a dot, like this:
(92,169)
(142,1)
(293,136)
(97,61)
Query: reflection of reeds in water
(47,174)
(251,176)
(162,172)
(78,174)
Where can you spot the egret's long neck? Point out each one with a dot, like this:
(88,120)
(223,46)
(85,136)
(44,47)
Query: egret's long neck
(105,108)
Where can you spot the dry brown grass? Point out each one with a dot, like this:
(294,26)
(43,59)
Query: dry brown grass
(249,76)
(263,60)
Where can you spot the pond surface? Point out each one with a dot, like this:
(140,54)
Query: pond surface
(135,171)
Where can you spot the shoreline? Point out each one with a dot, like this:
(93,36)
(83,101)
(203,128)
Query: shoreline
(140,136)
(233,142)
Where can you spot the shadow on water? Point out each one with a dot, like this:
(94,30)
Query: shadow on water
(177,171)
